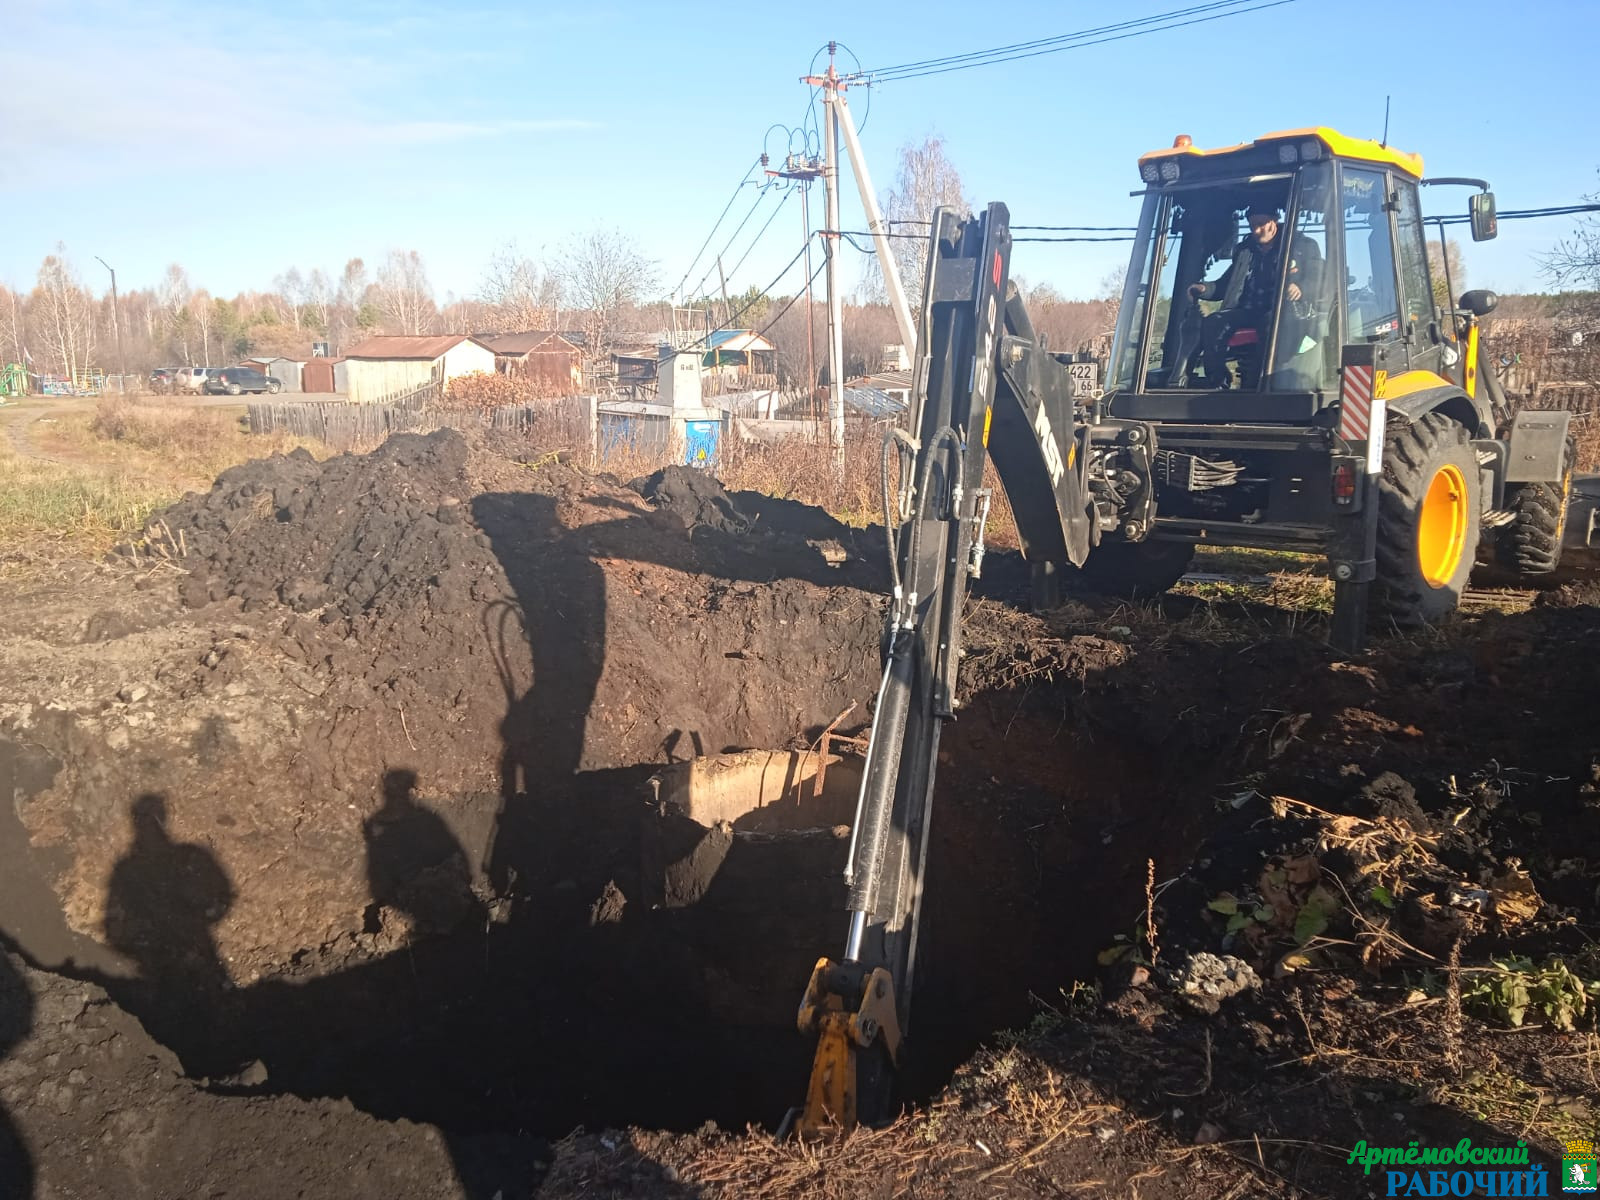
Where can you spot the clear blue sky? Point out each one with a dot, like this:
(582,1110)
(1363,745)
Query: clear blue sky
(240,140)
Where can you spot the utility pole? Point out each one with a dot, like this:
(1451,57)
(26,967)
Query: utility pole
(878,226)
(803,168)
(116,326)
(811,365)
(830,179)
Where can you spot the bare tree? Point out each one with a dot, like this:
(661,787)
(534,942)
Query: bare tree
(602,273)
(925,179)
(1436,263)
(1574,262)
(347,300)
(787,333)
(319,298)
(291,286)
(175,296)
(1070,325)
(404,294)
(11,325)
(202,313)
(868,328)
(518,293)
(62,313)
(1111,288)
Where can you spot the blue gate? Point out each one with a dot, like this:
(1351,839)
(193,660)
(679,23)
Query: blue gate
(700,442)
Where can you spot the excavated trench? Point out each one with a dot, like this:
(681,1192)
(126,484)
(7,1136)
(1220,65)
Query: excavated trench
(646,967)
(386,818)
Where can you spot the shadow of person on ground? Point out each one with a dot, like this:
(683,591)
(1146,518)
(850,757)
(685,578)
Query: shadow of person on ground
(161,903)
(16,1019)
(550,682)
(415,864)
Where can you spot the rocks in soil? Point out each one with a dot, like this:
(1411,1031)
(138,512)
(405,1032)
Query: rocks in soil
(1207,979)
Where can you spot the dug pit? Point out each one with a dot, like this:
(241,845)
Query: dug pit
(384,796)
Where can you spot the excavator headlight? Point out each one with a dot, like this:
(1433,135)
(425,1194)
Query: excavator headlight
(1287,153)
(1149,172)
(1310,151)
(1169,171)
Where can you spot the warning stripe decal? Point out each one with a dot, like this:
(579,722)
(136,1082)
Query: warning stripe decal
(1355,404)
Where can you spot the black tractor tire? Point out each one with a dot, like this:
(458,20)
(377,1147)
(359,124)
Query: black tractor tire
(1135,570)
(1531,545)
(1422,568)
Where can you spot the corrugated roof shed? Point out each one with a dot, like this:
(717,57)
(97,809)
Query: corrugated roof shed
(882,379)
(737,340)
(388,346)
(525,342)
(873,402)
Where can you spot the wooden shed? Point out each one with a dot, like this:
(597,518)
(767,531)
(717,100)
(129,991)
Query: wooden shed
(385,366)
(545,358)
(322,375)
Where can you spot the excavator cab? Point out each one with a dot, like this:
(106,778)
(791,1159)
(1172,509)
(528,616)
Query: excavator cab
(1346,261)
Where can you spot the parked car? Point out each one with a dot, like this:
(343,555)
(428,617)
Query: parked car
(234,380)
(192,379)
(162,379)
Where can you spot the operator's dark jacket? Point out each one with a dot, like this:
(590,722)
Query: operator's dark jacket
(1305,269)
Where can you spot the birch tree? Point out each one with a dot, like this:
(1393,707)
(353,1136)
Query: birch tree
(404,294)
(602,273)
(924,180)
(63,314)
(175,296)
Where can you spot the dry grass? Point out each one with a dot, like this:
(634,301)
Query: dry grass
(109,469)
(1586,429)
(67,505)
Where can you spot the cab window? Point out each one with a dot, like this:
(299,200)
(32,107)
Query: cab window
(1306,357)
(1415,287)
(1374,311)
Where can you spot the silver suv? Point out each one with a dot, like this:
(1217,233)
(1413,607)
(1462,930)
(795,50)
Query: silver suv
(192,379)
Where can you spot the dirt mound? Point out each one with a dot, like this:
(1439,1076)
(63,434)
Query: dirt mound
(1571,595)
(342,536)
(695,496)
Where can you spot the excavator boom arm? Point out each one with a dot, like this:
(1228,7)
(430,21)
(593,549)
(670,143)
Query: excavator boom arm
(975,383)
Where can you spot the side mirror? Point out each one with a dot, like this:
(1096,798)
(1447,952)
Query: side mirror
(1480,302)
(1481,209)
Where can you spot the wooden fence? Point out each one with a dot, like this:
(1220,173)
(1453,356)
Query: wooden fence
(567,423)
(340,425)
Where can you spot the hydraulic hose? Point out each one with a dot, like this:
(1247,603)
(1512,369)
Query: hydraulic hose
(875,805)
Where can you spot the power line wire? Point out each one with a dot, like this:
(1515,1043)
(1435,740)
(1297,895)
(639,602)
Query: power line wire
(1058,38)
(762,332)
(1158,23)
(786,196)
(764,293)
(761,194)
(1519,214)
(695,261)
